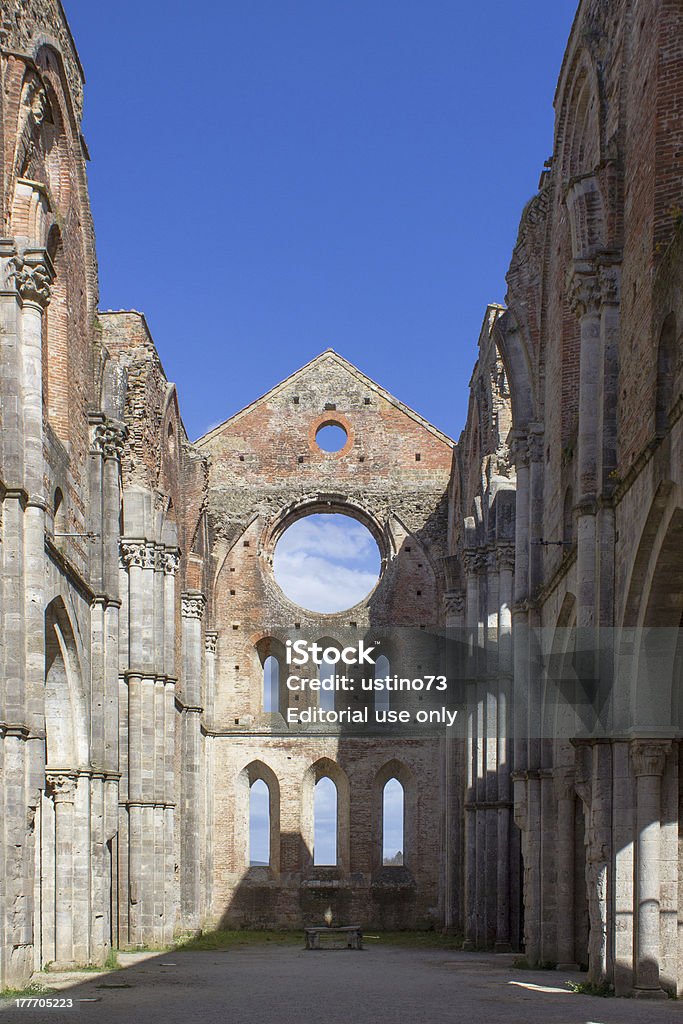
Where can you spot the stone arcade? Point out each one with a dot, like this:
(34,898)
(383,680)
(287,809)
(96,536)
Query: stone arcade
(136,577)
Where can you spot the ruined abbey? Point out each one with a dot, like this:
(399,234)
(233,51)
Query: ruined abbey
(139,608)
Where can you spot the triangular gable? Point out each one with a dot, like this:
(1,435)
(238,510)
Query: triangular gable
(354,372)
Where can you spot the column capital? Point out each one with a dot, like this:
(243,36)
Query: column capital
(454,602)
(138,553)
(171,561)
(649,756)
(505,556)
(211,641)
(519,448)
(32,275)
(474,560)
(583,289)
(108,439)
(62,785)
(193,604)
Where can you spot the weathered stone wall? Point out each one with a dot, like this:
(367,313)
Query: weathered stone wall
(481,563)
(58,484)
(591,345)
(265,471)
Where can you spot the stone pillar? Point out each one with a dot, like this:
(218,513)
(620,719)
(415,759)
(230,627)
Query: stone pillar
(520,608)
(171,563)
(491,753)
(211,645)
(193,604)
(609,283)
(454,609)
(63,789)
(649,760)
(565,868)
(139,557)
(26,294)
(534,663)
(475,822)
(593,782)
(507,894)
(584,292)
(470,564)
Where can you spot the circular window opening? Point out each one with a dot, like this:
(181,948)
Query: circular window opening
(331,437)
(327,562)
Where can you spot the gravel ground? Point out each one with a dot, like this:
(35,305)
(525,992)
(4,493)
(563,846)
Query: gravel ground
(282,985)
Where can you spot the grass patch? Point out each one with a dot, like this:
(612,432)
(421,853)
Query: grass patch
(588,988)
(413,940)
(31,991)
(239,939)
(244,937)
(522,964)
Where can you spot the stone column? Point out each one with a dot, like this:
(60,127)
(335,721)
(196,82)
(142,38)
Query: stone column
(171,563)
(33,274)
(26,284)
(593,783)
(139,558)
(506,894)
(470,564)
(193,604)
(565,845)
(609,279)
(534,665)
(454,609)
(520,608)
(491,754)
(649,760)
(584,291)
(211,645)
(63,789)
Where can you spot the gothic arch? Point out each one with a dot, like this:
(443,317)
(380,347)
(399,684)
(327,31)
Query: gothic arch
(65,706)
(514,351)
(651,539)
(650,643)
(325,767)
(395,769)
(253,772)
(579,124)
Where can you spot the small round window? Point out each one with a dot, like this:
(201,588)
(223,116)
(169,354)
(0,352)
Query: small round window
(331,437)
(327,562)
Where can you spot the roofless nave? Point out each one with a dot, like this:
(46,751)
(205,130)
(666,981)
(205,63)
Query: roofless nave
(140,606)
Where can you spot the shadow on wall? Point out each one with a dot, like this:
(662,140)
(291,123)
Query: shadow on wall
(261,899)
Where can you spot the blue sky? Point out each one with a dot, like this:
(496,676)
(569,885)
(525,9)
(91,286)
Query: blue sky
(272,178)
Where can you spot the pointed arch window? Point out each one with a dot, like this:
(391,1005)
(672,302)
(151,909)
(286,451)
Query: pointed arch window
(393,823)
(271,684)
(259,824)
(325,852)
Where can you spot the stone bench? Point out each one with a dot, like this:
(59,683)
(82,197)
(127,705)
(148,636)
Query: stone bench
(352,932)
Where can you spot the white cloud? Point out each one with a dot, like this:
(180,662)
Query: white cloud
(327,563)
